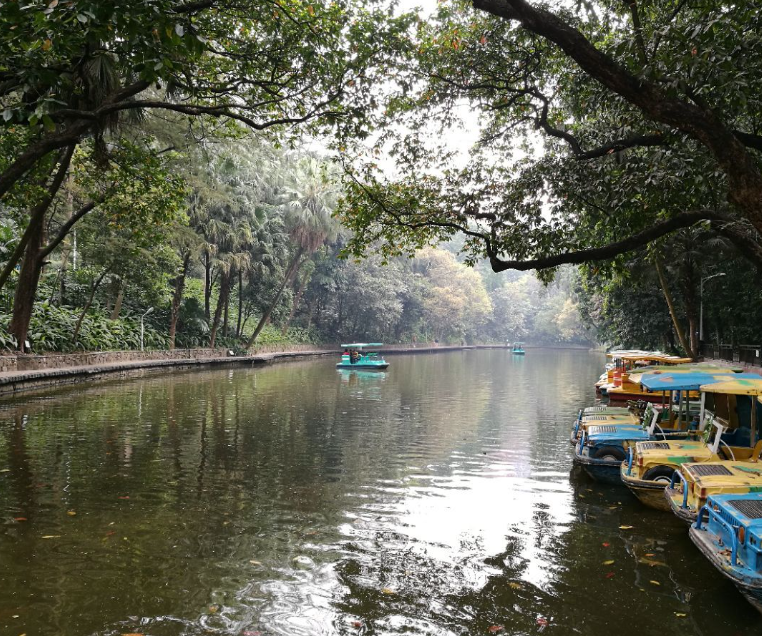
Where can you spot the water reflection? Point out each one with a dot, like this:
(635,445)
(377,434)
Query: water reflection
(435,498)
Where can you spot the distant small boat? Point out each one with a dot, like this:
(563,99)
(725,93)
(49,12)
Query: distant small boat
(356,356)
(518,349)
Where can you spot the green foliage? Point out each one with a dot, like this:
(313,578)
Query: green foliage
(51,329)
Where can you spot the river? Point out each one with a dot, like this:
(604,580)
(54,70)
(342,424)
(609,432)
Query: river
(437,498)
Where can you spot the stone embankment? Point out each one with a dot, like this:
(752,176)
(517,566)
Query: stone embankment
(24,372)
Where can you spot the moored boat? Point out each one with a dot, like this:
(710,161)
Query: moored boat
(726,433)
(729,533)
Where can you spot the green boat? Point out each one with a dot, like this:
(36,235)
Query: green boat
(357,356)
(518,349)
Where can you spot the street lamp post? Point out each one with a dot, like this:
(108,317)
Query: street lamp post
(148,311)
(701,305)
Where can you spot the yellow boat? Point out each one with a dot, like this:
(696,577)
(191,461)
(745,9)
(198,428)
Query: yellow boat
(698,481)
(728,432)
(627,362)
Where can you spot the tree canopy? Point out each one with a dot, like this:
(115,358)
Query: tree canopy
(603,126)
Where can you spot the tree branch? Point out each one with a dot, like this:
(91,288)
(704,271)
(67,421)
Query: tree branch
(66,227)
(611,250)
(37,214)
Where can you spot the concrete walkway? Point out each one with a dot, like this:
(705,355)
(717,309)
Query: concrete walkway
(16,381)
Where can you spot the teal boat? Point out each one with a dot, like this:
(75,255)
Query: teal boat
(518,349)
(357,356)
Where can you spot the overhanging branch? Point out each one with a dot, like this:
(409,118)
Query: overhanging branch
(686,219)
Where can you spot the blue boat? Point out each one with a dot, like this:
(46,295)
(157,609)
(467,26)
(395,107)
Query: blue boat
(518,349)
(728,531)
(356,356)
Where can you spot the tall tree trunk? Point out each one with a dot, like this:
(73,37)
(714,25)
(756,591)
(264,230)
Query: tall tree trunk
(292,268)
(226,320)
(670,303)
(89,302)
(177,299)
(207,285)
(224,289)
(118,302)
(26,286)
(295,304)
(65,249)
(238,326)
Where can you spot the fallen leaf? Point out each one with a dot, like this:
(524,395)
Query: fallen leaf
(609,562)
(542,622)
(132,634)
(71,513)
(111,533)
(213,609)
(516,586)
(609,575)
(494,629)
(388,590)
(680,615)
(606,545)
(356,624)
(654,583)
(51,536)
(126,497)
(650,554)
(625,527)
(5,470)
(19,519)
(581,496)
(651,563)
(253,562)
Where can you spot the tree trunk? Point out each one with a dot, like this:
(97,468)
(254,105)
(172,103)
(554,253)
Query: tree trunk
(118,302)
(88,304)
(26,286)
(238,327)
(177,299)
(226,320)
(224,289)
(668,297)
(293,266)
(207,285)
(295,304)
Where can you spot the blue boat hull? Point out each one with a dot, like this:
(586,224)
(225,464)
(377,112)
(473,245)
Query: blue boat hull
(362,365)
(606,472)
(750,588)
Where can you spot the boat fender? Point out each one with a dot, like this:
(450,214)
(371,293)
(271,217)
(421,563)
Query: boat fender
(609,451)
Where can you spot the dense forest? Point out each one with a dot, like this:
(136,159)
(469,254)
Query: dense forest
(239,245)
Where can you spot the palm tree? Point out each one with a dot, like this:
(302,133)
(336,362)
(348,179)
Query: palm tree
(310,199)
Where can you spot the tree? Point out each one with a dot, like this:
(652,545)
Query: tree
(310,199)
(649,120)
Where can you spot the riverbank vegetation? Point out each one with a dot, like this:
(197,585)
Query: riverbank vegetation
(213,169)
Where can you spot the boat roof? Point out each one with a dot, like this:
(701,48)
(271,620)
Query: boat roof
(737,385)
(744,507)
(690,381)
(360,345)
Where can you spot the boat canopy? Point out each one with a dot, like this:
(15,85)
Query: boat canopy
(738,385)
(361,345)
(691,381)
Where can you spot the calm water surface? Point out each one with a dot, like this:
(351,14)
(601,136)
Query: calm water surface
(437,498)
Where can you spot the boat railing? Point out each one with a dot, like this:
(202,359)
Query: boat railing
(672,482)
(711,513)
(630,456)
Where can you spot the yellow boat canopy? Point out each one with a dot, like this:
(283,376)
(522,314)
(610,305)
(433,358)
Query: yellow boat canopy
(735,387)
